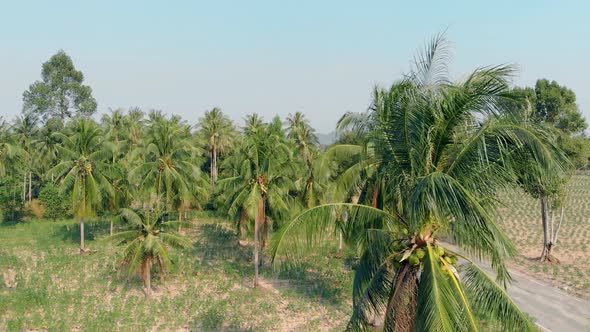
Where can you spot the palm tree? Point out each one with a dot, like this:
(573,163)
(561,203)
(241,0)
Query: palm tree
(253,122)
(260,187)
(9,150)
(115,124)
(45,145)
(446,148)
(25,129)
(302,136)
(135,122)
(218,131)
(83,169)
(148,242)
(300,132)
(166,164)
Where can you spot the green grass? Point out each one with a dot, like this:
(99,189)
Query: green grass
(46,285)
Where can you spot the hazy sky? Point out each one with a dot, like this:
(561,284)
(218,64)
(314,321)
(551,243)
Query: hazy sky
(277,57)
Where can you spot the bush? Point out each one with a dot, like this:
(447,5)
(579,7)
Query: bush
(52,199)
(37,209)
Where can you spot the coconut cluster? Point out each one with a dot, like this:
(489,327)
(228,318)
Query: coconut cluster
(415,256)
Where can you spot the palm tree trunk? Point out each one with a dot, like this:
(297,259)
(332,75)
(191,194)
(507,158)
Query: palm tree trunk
(213,166)
(179,217)
(24,187)
(30,187)
(402,302)
(375,200)
(259,221)
(82,249)
(339,254)
(147,276)
(546,253)
(242,223)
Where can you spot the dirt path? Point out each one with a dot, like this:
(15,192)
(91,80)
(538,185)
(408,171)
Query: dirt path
(553,309)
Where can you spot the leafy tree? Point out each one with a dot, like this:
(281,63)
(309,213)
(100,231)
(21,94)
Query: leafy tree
(259,189)
(52,199)
(556,104)
(148,241)
(553,105)
(217,132)
(577,148)
(447,148)
(60,93)
(83,169)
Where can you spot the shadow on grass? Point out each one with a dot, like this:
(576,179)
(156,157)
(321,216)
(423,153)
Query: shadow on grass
(218,246)
(9,223)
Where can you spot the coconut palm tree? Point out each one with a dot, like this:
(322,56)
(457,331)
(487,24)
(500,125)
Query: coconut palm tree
(114,124)
(45,144)
(303,136)
(9,149)
(218,131)
(446,148)
(305,145)
(260,188)
(148,241)
(25,129)
(82,172)
(166,163)
(135,122)
(253,122)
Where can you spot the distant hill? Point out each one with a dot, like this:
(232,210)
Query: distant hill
(327,139)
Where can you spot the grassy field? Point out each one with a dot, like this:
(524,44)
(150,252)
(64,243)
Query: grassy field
(45,285)
(522,221)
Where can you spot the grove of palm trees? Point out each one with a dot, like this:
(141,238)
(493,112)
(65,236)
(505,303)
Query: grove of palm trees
(394,226)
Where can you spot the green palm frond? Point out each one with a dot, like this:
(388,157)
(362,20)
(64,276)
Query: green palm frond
(438,308)
(318,223)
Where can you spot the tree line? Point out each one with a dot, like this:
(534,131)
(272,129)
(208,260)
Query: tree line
(425,162)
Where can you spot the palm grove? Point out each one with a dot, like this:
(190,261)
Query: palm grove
(420,169)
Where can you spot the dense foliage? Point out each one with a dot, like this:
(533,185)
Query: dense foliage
(53,201)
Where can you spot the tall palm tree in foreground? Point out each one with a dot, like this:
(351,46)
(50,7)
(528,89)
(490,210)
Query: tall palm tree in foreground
(148,242)
(83,169)
(446,148)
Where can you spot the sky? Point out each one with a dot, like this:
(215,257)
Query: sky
(322,58)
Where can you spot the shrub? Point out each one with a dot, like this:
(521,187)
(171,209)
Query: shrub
(37,208)
(52,199)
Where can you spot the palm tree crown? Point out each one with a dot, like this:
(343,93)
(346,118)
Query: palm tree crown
(445,149)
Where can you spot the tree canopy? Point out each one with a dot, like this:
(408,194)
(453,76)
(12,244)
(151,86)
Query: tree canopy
(60,93)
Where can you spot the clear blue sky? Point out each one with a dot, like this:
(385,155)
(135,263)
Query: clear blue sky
(277,57)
